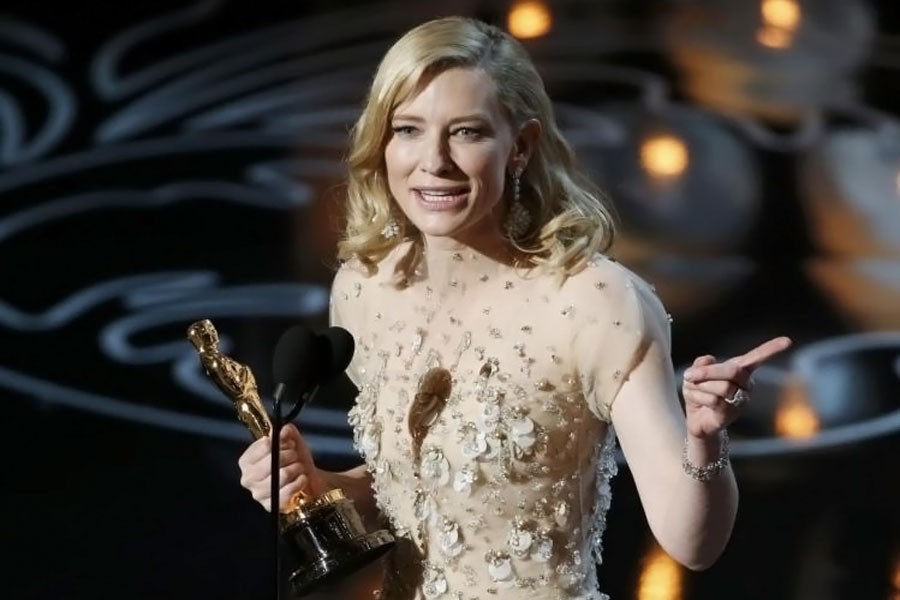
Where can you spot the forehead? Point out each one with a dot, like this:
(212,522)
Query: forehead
(452,93)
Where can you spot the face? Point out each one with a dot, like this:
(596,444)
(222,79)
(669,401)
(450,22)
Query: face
(448,156)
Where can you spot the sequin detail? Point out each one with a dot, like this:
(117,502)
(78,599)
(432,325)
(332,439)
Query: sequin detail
(507,495)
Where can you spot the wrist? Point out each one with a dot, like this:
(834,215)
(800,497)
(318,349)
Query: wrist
(707,447)
(703,458)
(320,482)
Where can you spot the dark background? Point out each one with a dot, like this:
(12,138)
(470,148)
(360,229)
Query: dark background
(173,161)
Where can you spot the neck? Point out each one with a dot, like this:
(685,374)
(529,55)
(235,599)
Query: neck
(489,248)
(484,238)
(447,261)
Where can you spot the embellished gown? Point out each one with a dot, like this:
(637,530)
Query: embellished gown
(484,418)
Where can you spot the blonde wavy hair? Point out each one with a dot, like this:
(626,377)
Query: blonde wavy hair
(570,220)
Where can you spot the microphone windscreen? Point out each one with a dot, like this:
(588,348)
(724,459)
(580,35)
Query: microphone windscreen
(298,357)
(341,346)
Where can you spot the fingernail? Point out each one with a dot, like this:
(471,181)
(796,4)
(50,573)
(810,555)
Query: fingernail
(690,374)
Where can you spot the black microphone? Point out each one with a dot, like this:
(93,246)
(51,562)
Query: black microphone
(302,361)
(296,354)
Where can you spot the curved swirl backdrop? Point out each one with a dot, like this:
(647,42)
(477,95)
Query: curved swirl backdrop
(183,160)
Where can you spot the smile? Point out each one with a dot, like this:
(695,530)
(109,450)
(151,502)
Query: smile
(445,199)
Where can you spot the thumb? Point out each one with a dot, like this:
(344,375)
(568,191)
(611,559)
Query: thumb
(702,361)
(289,436)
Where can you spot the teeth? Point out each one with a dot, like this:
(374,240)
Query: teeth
(441,195)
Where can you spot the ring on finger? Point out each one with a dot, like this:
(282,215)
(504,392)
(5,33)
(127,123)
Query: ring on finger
(740,398)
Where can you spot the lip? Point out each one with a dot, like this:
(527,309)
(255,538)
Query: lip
(437,189)
(446,202)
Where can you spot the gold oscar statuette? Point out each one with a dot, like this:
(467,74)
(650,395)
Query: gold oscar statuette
(325,534)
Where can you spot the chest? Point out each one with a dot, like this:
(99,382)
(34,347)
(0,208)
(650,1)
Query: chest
(481,383)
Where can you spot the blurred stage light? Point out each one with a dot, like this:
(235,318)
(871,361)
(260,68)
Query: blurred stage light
(783,14)
(664,156)
(774,37)
(796,418)
(529,19)
(660,578)
(865,291)
(780,21)
(849,190)
(681,182)
(687,193)
(849,185)
(771,60)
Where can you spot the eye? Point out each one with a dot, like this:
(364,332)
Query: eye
(404,130)
(469,133)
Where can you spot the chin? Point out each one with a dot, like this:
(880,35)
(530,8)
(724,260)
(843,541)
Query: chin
(445,229)
(438,232)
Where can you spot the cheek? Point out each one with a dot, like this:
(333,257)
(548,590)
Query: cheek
(492,173)
(397,170)
(390,162)
(477,164)
(398,160)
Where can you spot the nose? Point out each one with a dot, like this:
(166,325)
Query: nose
(435,158)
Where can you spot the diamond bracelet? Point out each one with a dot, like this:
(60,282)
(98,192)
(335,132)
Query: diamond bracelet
(706,472)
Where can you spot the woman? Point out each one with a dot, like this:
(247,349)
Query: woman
(499,351)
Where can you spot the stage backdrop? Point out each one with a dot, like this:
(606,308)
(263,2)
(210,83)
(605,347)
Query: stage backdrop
(171,161)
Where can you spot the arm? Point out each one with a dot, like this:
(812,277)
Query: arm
(691,520)
(622,345)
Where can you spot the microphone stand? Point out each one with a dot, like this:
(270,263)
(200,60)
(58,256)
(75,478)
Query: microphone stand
(278,419)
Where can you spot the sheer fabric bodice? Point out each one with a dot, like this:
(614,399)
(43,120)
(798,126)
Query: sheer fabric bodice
(484,418)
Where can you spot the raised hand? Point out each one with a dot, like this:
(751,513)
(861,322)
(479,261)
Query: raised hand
(716,392)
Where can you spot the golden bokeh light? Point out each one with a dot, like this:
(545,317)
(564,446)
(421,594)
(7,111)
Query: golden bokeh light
(529,19)
(782,14)
(780,21)
(795,418)
(774,37)
(661,577)
(664,156)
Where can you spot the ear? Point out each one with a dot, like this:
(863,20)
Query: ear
(526,141)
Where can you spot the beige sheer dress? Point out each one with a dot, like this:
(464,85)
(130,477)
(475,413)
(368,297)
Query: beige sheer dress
(484,418)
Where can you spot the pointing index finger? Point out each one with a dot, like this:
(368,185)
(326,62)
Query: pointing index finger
(754,358)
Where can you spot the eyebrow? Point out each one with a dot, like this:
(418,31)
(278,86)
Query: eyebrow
(463,119)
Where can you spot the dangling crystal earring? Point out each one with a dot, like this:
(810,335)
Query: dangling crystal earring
(391,229)
(518,219)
